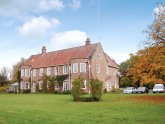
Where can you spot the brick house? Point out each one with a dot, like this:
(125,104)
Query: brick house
(88,61)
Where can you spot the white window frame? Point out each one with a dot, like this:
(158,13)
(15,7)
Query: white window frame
(41,71)
(97,68)
(34,72)
(65,86)
(75,68)
(27,72)
(56,69)
(82,67)
(48,71)
(22,72)
(65,69)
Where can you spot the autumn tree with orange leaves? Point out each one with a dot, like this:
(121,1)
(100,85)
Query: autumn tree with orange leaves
(147,66)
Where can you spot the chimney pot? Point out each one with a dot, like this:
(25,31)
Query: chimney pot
(87,42)
(43,50)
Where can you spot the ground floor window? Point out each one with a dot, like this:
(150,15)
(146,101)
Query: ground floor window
(65,86)
(25,85)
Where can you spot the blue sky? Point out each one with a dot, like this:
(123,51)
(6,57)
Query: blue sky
(27,25)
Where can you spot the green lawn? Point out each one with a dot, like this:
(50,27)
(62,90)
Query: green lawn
(60,109)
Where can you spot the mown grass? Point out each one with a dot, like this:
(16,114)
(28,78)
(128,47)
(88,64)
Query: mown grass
(60,109)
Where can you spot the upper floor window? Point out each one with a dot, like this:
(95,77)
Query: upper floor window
(82,67)
(22,72)
(34,72)
(65,69)
(48,71)
(75,67)
(55,70)
(100,56)
(41,71)
(27,72)
(97,68)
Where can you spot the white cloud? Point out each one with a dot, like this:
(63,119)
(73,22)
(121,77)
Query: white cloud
(119,56)
(68,39)
(75,4)
(45,5)
(19,8)
(38,27)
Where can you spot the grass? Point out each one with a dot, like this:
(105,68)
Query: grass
(60,109)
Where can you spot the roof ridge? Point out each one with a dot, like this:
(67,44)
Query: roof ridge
(69,48)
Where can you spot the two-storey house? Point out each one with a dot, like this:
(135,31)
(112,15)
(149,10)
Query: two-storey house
(88,61)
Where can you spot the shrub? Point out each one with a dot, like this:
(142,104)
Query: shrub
(105,90)
(2,89)
(26,91)
(76,89)
(67,92)
(88,99)
(116,90)
(51,87)
(96,89)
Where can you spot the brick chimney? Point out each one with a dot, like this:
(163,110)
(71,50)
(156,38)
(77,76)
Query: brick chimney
(87,42)
(43,50)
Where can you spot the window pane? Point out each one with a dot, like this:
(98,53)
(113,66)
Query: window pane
(34,72)
(41,71)
(22,72)
(49,71)
(55,70)
(65,69)
(82,67)
(75,68)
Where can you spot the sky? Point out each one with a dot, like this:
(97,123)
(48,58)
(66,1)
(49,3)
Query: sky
(27,25)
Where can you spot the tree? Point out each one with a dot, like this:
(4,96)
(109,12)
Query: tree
(125,81)
(60,79)
(45,84)
(16,72)
(52,82)
(156,30)
(77,89)
(3,76)
(96,89)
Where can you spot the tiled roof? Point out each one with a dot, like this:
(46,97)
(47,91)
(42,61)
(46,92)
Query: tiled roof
(111,62)
(61,57)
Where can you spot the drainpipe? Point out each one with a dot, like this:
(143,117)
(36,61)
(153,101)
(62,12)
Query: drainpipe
(31,79)
(89,74)
(69,77)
